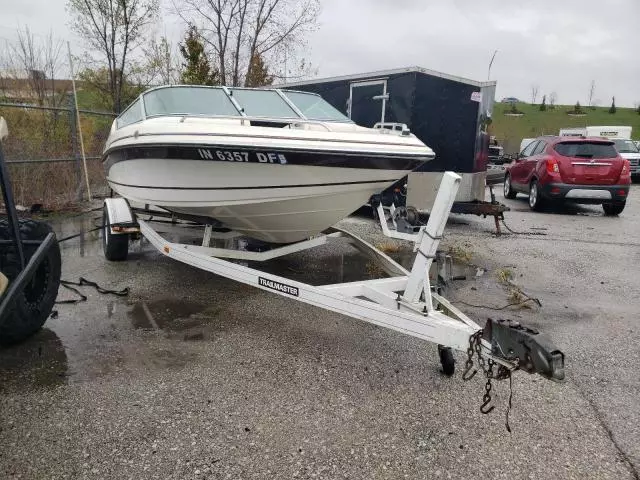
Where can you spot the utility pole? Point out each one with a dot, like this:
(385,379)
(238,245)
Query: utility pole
(490,64)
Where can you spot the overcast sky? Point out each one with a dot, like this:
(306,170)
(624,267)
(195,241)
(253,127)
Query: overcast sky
(560,45)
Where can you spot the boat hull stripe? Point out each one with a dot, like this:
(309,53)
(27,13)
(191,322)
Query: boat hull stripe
(273,156)
(255,187)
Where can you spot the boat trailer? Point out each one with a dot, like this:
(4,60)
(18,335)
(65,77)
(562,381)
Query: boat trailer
(404,301)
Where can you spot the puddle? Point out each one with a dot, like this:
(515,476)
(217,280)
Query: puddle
(170,315)
(40,361)
(87,244)
(322,269)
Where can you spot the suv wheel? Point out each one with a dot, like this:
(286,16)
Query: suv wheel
(535,200)
(509,192)
(612,209)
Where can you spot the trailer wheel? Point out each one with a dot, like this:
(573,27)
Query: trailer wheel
(446,360)
(114,245)
(32,306)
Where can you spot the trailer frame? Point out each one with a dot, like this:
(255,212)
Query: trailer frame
(403,302)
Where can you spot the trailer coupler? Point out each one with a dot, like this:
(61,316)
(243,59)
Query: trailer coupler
(531,350)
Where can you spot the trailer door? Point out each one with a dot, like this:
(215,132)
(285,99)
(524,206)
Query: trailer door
(367,102)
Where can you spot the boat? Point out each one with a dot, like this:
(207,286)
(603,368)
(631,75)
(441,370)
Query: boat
(280,166)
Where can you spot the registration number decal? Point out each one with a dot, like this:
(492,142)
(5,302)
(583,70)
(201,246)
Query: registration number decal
(242,156)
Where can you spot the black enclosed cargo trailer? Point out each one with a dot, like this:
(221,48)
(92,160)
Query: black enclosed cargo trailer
(448,113)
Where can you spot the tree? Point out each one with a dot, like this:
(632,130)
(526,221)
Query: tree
(534,93)
(161,64)
(258,74)
(577,110)
(592,91)
(553,97)
(241,31)
(37,62)
(113,29)
(612,108)
(196,69)
(96,87)
(543,105)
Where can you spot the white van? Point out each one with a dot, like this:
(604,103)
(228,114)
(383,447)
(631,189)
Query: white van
(574,132)
(525,142)
(609,132)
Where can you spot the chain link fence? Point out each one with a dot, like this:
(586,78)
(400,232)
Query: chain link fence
(44,154)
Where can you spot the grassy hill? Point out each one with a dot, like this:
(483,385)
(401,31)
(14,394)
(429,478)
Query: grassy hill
(511,130)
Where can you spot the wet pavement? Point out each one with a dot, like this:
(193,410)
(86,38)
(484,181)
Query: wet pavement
(196,376)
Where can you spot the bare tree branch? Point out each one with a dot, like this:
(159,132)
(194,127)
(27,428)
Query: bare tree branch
(240,31)
(534,93)
(37,62)
(113,29)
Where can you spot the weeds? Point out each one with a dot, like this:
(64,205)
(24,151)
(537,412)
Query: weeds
(460,254)
(54,185)
(517,298)
(43,139)
(505,275)
(388,247)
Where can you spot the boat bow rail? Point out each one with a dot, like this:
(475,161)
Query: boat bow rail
(404,302)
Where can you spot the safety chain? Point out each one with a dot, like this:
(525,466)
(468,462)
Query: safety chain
(475,349)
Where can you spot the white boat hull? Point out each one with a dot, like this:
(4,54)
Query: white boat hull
(273,203)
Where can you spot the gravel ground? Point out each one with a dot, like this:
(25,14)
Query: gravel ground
(232,382)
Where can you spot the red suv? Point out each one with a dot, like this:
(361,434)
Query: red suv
(579,169)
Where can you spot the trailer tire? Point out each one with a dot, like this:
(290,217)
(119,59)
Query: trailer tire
(32,306)
(446,360)
(115,246)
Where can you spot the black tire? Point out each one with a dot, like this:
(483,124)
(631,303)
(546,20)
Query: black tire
(32,306)
(613,209)
(509,192)
(536,202)
(447,361)
(115,246)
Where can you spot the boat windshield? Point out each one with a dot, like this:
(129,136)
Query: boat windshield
(188,101)
(236,102)
(263,103)
(314,107)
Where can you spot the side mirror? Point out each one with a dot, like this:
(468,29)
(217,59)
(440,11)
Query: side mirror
(4,130)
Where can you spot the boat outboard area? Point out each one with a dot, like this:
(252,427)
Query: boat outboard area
(277,165)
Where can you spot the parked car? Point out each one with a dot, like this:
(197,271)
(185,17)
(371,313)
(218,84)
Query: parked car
(496,152)
(509,100)
(581,170)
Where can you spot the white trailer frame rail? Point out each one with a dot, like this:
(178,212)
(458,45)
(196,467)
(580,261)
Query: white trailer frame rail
(403,302)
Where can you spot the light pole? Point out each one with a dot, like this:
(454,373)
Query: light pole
(491,63)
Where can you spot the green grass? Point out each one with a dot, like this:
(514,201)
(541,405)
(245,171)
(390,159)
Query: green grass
(511,130)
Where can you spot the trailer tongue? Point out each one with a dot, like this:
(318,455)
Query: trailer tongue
(404,302)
